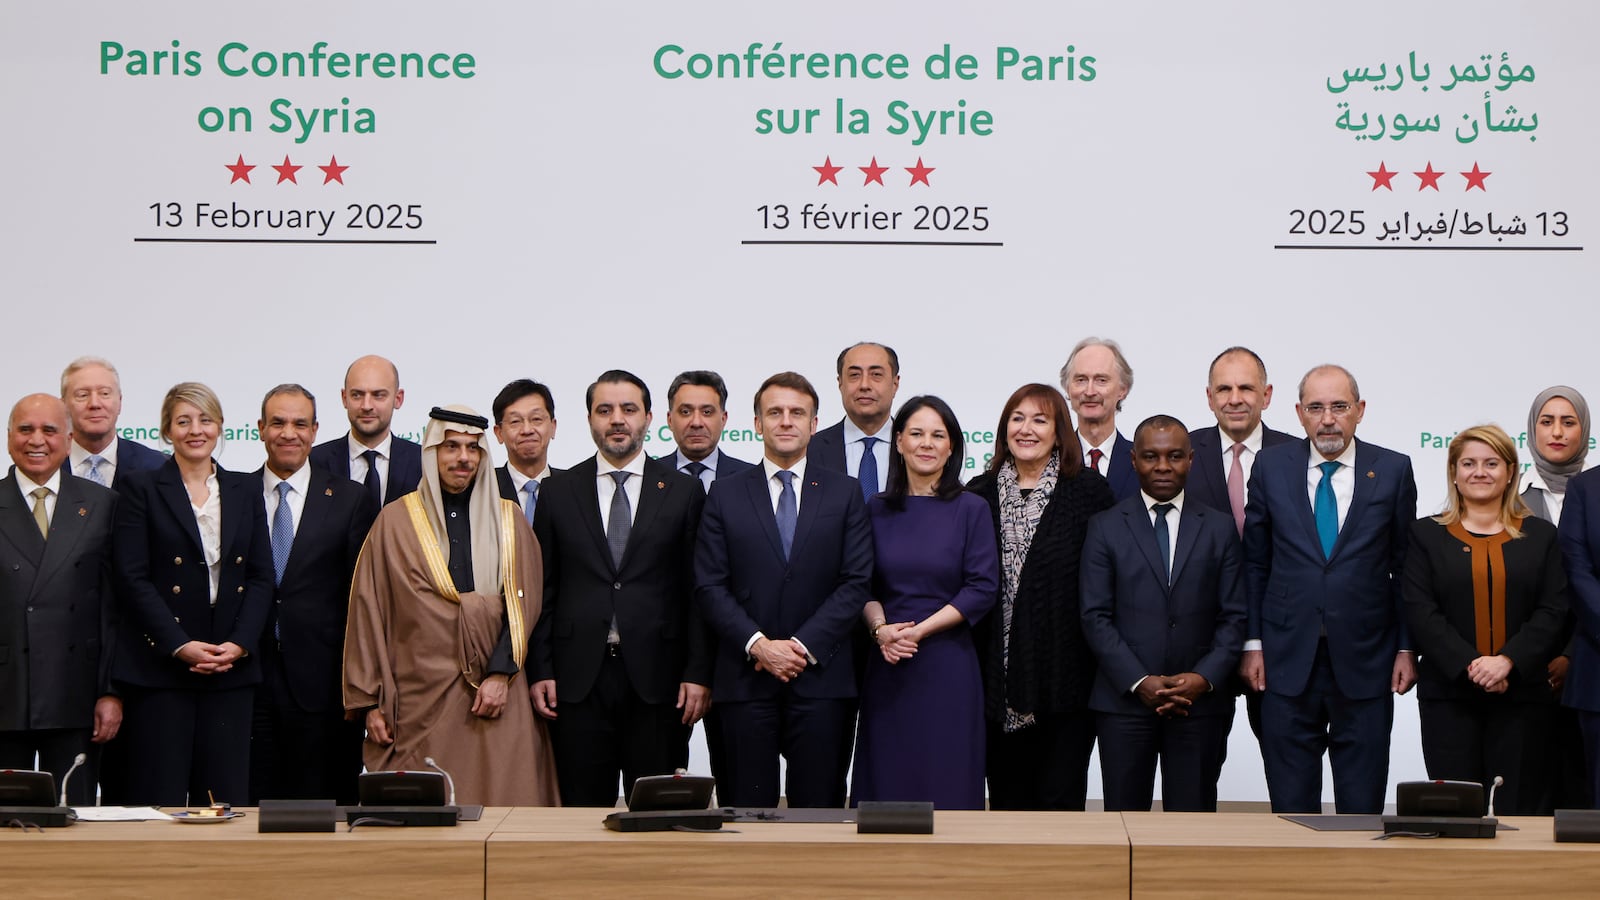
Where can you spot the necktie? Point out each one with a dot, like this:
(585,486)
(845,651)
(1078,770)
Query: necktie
(373,485)
(95,475)
(618,524)
(867,474)
(697,469)
(1236,487)
(1094,460)
(41,516)
(788,511)
(1164,538)
(1326,509)
(530,498)
(282,532)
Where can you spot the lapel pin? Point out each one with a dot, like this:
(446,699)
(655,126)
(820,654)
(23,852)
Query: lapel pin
(82,511)
(328,492)
(660,485)
(1371,474)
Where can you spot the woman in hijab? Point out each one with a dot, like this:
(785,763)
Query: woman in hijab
(1558,432)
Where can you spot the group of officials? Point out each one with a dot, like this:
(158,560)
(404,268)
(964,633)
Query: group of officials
(542,633)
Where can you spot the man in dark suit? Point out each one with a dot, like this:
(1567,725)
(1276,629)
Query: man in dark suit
(1237,391)
(869,377)
(1325,536)
(783,567)
(301,746)
(1164,611)
(697,412)
(1580,546)
(1096,380)
(388,467)
(618,641)
(92,392)
(525,424)
(56,604)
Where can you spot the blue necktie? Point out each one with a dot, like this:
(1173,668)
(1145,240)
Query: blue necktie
(788,511)
(373,485)
(698,470)
(95,475)
(867,474)
(282,533)
(1164,538)
(1326,509)
(530,490)
(617,524)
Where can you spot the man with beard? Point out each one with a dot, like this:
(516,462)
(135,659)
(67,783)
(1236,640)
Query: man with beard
(621,664)
(388,467)
(1325,535)
(443,596)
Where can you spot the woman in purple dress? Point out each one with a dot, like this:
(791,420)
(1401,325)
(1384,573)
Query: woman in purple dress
(921,735)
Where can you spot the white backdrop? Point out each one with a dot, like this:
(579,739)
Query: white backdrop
(582,211)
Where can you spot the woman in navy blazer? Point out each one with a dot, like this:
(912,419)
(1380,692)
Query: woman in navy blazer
(194,562)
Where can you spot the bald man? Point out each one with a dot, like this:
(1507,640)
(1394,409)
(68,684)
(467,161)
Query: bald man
(55,603)
(389,467)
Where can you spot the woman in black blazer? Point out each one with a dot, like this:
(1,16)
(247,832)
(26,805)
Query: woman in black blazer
(1486,599)
(1037,667)
(194,563)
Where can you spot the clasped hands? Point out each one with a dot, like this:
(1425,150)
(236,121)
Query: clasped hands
(897,640)
(1171,695)
(783,660)
(209,659)
(1490,673)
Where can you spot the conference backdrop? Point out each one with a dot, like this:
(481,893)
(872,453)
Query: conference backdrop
(248,194)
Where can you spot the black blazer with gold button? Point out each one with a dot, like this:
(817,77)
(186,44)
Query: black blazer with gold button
(163,584)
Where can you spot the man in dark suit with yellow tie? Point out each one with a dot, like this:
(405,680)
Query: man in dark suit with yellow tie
(301,746)
(56,604)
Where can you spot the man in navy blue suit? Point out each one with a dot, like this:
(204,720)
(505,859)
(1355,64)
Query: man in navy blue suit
(92,391)
(1580,545)
(869,378)
(301,746)
(525,423)
(1162,589)
(1096,379)
(1325,537)
(1237,390)
(697,412)
(783,567)
(388,467)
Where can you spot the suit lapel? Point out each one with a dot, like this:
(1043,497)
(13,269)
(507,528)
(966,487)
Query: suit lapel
(1144,537)
(1297,479)
(66,529)
(1188,532)
(1360,498)
(653,492)
(16,521)
(169,485)
(313,516)
(1208,463)
(807,514)
(761,499)
(585,477)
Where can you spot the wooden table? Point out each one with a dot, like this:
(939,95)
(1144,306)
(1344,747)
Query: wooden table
(569,853)
(1237,855)
(174,859)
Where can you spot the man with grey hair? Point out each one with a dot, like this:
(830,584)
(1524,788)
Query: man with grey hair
(1096,379)
(445,593)
(1326,528)
(92,391)
(301,745)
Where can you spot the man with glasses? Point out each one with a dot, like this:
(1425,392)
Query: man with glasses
(525,422)
(1325,533)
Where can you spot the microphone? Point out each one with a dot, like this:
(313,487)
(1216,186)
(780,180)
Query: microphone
(1497,782)
(447,779)
(76,762)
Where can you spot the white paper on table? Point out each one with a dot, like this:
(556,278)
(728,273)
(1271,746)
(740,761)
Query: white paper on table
(119,814)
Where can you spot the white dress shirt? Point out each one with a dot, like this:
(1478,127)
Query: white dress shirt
(853,451)
(1247,459)
(606,486)
(28,486)
(1344,479)
(78,461)
(208,516)
(1552,500)
(358,463)
(299,482)
(1105,449)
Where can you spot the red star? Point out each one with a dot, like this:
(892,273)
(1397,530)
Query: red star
(1430,178)
(874,172)
(241,172)
(1382,177)
(828,172)
(1475,178)
(286,171)
(333,171)
(919,172)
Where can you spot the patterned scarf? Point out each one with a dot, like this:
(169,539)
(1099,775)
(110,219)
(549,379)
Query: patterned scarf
(1019,517)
